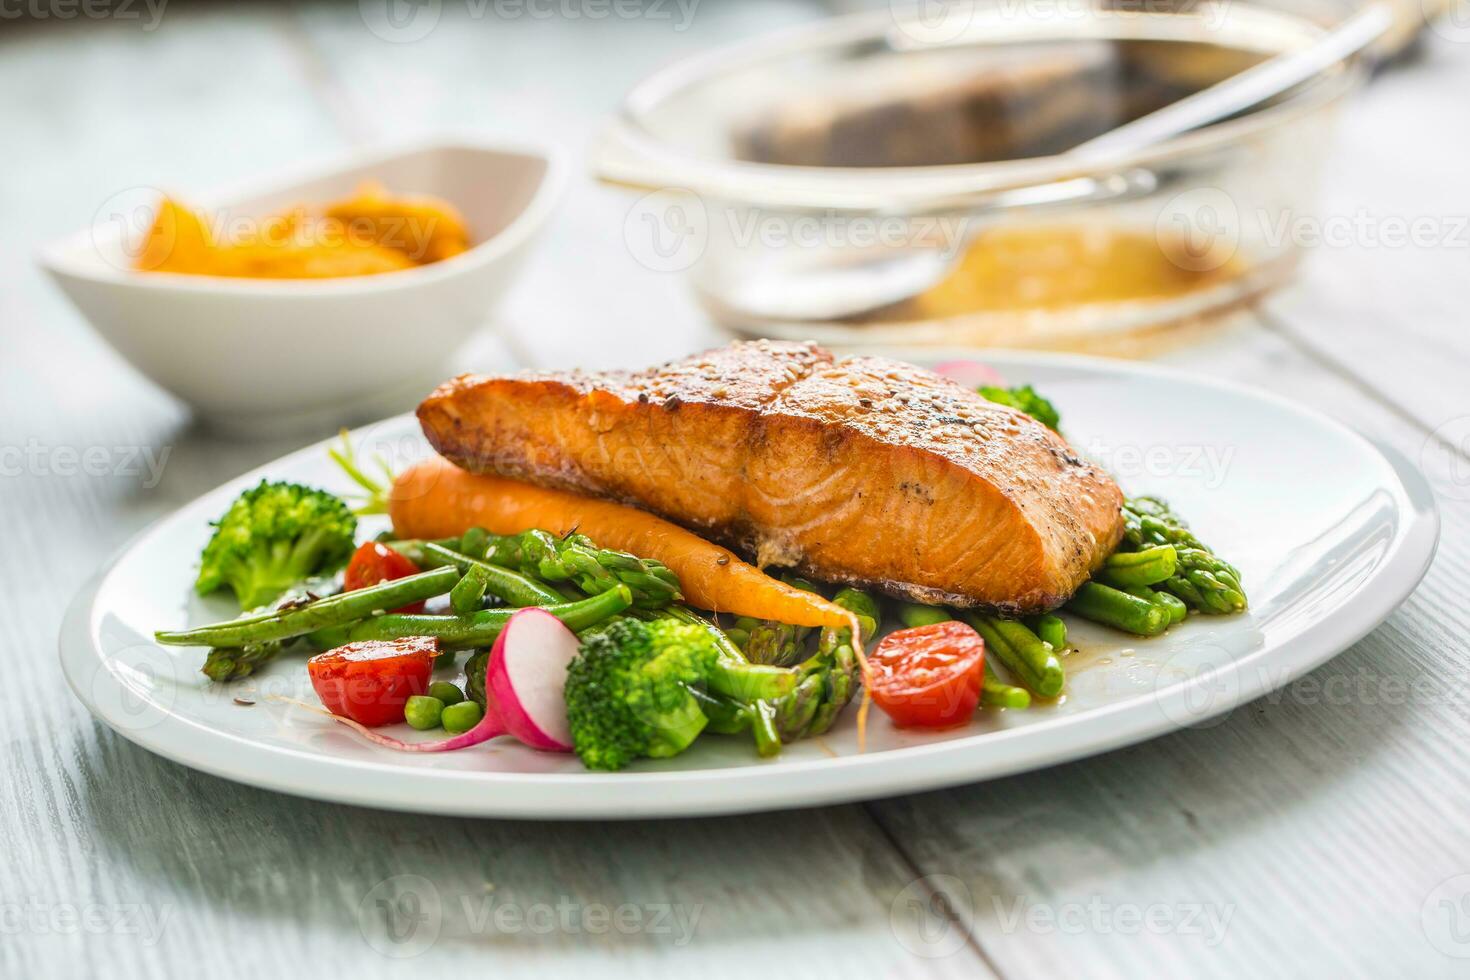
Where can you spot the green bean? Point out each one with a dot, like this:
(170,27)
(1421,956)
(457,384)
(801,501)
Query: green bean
(516,589)
(913,614)
(1022,652)
(413,550)
(337,610)
(481,629)
(468,595)
(996,693)
(1113,607)
(475,542)
(1147,567)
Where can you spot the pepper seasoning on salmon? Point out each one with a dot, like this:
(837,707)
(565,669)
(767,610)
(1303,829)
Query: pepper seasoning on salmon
(860,470)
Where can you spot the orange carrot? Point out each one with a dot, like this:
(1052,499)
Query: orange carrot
(436,499)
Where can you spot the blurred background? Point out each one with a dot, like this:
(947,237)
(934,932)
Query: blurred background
(900,178)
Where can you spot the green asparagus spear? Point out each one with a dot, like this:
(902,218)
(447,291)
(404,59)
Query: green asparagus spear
(1173,605)
(481,629)
(1023,653)
(779,644)
(301,619)
(744,680)
(728,716)
(1147,567)
(577,560)
(913,614)
(233,663)
(837,662)
(1169,602)
(1112,607)
(770,642)
(1205,582)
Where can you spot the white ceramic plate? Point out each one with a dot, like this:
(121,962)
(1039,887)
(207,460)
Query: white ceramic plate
(1330,533)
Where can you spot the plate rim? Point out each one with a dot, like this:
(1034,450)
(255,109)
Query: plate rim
(777,784)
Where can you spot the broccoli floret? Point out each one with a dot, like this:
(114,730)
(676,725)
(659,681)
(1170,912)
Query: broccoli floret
(1025,399)
(628,691)
(273,536)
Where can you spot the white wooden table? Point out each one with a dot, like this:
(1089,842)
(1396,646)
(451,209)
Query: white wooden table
(1309,834)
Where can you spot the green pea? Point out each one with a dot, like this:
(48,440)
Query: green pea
(446,692)
(460,718)
(423,712)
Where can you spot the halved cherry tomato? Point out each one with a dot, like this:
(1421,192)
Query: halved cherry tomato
(928,676)
(374,562)
(370,681)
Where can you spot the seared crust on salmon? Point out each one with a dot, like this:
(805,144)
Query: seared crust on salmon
(859,470)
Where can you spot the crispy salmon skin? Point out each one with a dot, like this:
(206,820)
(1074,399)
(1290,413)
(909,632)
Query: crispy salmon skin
(859,470)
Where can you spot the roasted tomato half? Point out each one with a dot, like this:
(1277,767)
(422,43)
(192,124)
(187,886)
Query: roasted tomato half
(928,676)
(369,682)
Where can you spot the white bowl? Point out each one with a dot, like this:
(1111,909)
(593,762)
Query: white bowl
(251,354)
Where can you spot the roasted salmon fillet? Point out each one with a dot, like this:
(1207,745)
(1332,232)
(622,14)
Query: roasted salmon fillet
(859,469)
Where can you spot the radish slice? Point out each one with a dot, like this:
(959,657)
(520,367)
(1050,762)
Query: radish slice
(971,374)
(526,679)
(525,685)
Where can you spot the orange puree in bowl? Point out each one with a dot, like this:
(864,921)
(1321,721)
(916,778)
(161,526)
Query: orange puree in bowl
(369,233)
